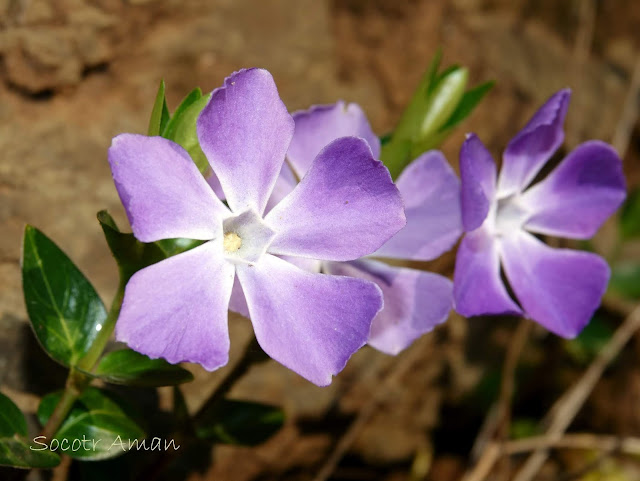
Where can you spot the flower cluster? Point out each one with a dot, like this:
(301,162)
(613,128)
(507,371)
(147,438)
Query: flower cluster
(300,246)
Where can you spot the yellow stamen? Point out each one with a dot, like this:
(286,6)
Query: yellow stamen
(232,242)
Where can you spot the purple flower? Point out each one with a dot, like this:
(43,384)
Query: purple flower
(346,207)
(414,301)
(559,288)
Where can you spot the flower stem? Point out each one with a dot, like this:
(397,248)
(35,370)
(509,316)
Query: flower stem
(77,380)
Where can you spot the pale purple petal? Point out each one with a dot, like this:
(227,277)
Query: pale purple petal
(414,301)
(344,208)
(214,183)
(321,125)
(245,131)
(177,309)
(534,145)
(558,288)
(478,182)
(311,323)
(477,286)
(430,190)
(238,302)
(284,185)
(579,195)
(162,191)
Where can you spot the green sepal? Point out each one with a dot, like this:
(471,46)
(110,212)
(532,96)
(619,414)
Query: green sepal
(239,422)
(160,114)
(99,425)
(15,450)
(131,368)
(65,311)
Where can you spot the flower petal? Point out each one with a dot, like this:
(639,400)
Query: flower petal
(311,323)
(177,309)
(559,288)
(534,145)
(321,125)
(414,301)
(478,182)
(245,131)
(430,190)
(284,185)
(162,191)
(344,208)
(579,195)
(477,286)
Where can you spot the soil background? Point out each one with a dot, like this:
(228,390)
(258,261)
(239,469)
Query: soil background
(74,73)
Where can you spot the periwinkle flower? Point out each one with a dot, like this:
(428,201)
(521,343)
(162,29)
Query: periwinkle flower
(559,288)
(345,207)
(415,301)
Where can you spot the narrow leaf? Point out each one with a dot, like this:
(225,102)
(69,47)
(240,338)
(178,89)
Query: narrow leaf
(64,308)
(11,419)
(191,97)
(160,114)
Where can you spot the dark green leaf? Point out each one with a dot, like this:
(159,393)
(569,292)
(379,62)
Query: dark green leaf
(11,419)
(134,369)
(14,450)
(19,454)
(131,255)
(625,280)
(630,216)
(590,341)
(524,428)
(64,308)
(97,427)
(160,113)
(240,422)
(468,102)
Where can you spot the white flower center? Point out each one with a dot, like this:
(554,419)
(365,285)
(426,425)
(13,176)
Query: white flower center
(246,237)
(510,216)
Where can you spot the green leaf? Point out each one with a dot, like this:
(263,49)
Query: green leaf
(171,247)
(625,280)
(130,254)
(630,216)
(468,102)
(11,419)
(183,131)
(134,369)
(19,454)
(14,450)
(239,422)
(160,114)
(97,427)
(64,308)
(192,97)
(590,341)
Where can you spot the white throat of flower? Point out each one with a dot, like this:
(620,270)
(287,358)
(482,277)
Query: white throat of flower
(507,216)
(246,237)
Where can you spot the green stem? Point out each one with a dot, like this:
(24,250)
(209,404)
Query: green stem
(77,381)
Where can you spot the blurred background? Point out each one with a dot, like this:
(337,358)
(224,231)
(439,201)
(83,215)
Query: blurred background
(74,73)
